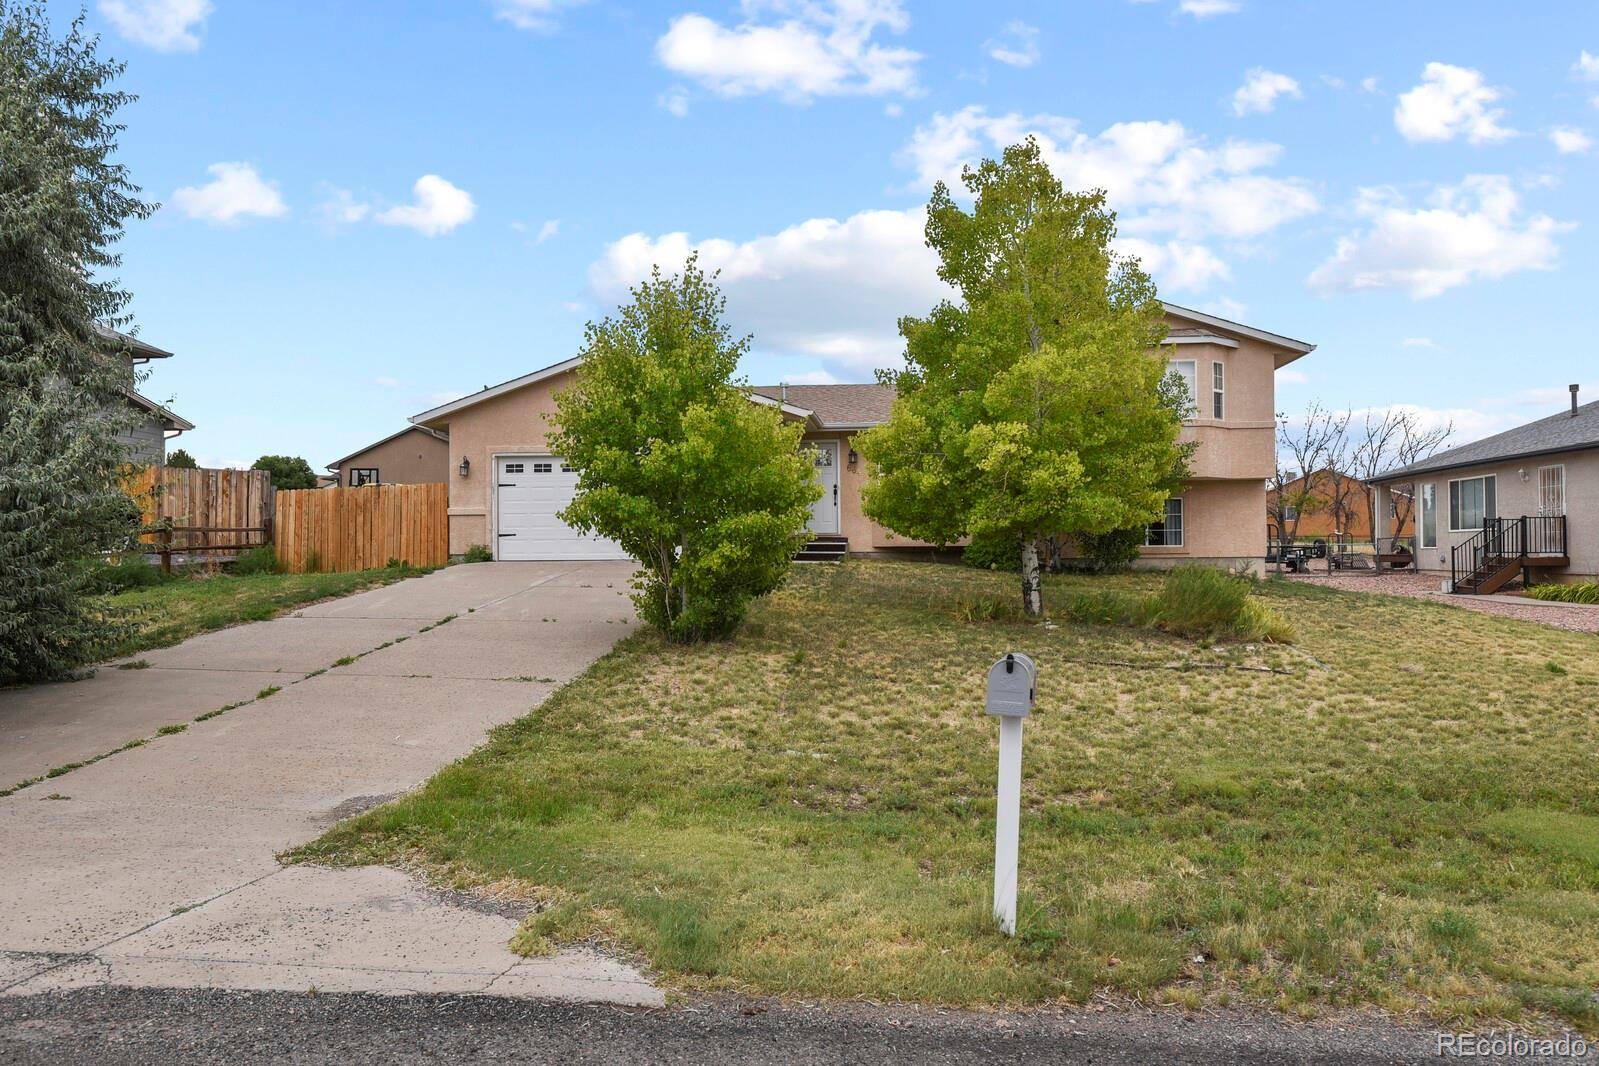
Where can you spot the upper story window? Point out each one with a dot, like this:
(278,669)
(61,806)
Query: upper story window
(1188,370)
(1218,391)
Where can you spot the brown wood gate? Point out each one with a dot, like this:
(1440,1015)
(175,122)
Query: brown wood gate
(362,528)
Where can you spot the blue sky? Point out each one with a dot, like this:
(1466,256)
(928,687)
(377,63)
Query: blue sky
(369,208)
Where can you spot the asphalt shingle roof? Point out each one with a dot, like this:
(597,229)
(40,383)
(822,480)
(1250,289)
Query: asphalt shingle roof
(837,405)
(1563,432)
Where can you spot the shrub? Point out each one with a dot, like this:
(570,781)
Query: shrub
(124,572)
(994,553)
(262,560)
(1106,608)
(287,471)
(1582,592)
(477,553)
(182,460)
(1108,553)
(1205,603)
(988,609)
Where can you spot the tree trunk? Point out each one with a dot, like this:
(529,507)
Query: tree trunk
(1032,586)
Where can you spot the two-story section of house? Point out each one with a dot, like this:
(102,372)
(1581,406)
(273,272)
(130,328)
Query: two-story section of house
(1230,369)
(507,488)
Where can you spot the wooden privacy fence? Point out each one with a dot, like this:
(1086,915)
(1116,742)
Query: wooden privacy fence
(362,528)
(203,511)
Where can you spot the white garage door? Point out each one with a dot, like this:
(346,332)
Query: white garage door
(530,490)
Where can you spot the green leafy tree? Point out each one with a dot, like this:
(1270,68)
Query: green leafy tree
(288,471)
(1038,405)
(708,490)
(63,203)
(180,458)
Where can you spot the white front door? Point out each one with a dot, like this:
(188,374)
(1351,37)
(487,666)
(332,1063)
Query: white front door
(824,512)
(529,492)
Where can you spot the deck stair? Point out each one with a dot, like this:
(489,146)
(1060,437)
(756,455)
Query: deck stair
(824,548)
(1506,548)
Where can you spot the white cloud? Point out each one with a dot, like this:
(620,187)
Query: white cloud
(1420,342)
(1468,232)
(1203,9)
(1016,46)
(1160,177)
(1569,140)
(235,191)
(437,207)
(1176,265)
(675,101)
(537,15)
(550,228)
(1289,376)
(1451,102)
(1369,84)
(1469,423)
(811,48)
(825,289)
(165,25)
(1260,90)
(386,382)
(1586,67)
(340,207)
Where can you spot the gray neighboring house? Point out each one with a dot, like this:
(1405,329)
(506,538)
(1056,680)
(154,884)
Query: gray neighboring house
(146,440)
(1522,503)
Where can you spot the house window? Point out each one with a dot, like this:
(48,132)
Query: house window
(513,468)
(1188,370)
(568,468)
(1429,515)
(1218,391)
(543,468)
(1471,502)
(363,475)
(1168,532)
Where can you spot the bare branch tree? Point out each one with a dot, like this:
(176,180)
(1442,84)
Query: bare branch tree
(1318,442)
(1395,437)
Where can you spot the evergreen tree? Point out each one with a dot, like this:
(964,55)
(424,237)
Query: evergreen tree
(182,459)
(63,204)
(288,471)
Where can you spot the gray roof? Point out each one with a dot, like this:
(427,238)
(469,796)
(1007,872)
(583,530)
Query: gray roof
(138,350)
(836,405)
(1563,432)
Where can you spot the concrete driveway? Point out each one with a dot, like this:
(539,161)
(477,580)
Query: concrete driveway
(155,866)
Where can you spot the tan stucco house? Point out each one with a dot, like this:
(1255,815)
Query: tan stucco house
(506,487)
(1519,504)
(413,456)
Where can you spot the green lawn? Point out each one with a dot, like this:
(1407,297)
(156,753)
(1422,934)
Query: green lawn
(178,609)
(1400,810)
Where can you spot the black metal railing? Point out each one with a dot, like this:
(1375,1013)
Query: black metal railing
(1504,542)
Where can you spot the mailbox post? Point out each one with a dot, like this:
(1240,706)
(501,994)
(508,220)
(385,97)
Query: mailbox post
(1012,684)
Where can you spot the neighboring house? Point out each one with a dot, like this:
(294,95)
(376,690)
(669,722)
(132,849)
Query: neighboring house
(1520,503)
(146,440)
(506,487)
(413,456)
(1329,504)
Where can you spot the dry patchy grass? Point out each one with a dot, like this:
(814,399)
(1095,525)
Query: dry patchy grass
(1400,811)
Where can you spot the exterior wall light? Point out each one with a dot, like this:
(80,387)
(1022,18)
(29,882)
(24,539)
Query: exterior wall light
(853,457)
(466,466)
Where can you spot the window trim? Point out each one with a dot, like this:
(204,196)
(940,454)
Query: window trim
(355,471)
(1218,390)
(1182,524)
(1484,478)
(1426,502)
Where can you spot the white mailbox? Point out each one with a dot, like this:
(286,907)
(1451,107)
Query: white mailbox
(1011,685)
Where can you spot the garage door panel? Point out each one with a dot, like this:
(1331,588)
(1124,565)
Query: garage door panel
(530,491)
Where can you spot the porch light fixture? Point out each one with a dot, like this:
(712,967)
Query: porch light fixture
(466,466)
(853,457)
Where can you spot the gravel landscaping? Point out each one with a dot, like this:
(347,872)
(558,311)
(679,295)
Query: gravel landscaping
(1578,617)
